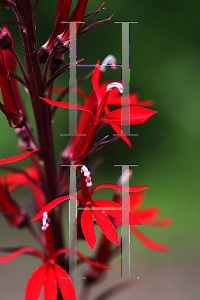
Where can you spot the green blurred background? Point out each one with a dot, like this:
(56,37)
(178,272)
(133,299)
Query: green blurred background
(165,67)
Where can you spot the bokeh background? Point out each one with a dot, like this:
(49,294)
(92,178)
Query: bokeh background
(165,67)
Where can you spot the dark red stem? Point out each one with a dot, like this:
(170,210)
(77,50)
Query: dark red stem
(41,112)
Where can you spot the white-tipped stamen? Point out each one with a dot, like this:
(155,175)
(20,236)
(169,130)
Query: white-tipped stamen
(109,60)
(117,85)
(86,172)
(45,225)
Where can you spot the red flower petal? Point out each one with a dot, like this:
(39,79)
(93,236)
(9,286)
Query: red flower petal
(63,9)
(58,89)
(77,15)
(15,116)
(106,226)
(165,222)
(50,206)
(67,105)
(138,115)
(91,262)
(116,101)
(50,287)
(147,242)
(118,129)
(136,200)
(95,82)
(13,255)
(88,227)
(147,215)
(130,189)
(17,158)
(10,63)
(35,283)
(15,180)
(116,211)
(66,286)
(122,135)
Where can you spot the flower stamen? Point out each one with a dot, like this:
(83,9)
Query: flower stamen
(117,85)
(86,172)
(109,60)
(45,225)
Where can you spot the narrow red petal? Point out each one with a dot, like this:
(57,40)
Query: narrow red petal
(147,215)
(112,208)
(118,129)
(136,200)
(95,82)
(13,255)
(130,189)
(50,287)
(106,226)
(35,283)
(122,135)
(50,206)
(6,89)
(17,158)
(91,262)
(115,211)
(66,286)
(165,222)
(88,228)
(147,242)
(116,101)
(138,115)
(103,204)
(58,89)
(67,105)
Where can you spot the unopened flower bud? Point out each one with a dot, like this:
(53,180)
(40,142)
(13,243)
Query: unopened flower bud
(5,4)
(5,40)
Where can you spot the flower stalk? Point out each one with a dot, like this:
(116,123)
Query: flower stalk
(50,187)
(41,111)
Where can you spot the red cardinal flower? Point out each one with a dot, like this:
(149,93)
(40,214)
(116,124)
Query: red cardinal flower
(10,109)
(28,177)
(97,208)
(14,215)
(148,216)
(91,103)
(50,273)
(91,122)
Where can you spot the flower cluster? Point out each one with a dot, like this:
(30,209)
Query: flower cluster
(51,187)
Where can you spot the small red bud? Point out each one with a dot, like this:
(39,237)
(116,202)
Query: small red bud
(5,40)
